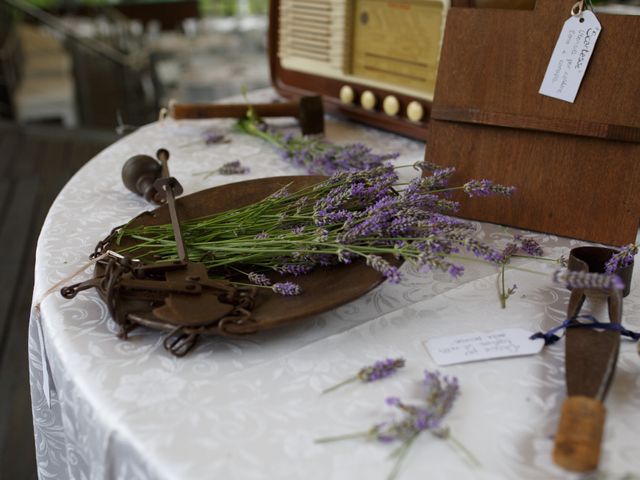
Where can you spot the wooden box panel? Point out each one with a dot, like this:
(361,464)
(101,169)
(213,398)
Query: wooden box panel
(575,165)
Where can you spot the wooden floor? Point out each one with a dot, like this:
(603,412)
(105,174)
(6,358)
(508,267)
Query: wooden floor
(35,163)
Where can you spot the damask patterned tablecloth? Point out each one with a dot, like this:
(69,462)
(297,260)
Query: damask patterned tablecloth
(250,408)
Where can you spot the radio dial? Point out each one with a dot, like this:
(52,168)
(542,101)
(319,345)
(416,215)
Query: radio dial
(415,111)
(368,100)
(391,106)
(347,95)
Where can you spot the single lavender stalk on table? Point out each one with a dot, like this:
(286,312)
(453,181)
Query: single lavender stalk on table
(233,167)
(379,370)
(520,247)
(209,137)
(315,154)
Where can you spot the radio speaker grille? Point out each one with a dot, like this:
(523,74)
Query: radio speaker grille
(314,33)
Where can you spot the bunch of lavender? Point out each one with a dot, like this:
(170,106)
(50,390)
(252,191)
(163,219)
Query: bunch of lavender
(379,370)
(312,153)
(350,216)
(440,395)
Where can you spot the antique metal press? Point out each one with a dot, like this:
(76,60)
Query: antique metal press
(178,296)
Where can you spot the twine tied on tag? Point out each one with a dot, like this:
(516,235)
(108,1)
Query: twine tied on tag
(583,321)
(579,7)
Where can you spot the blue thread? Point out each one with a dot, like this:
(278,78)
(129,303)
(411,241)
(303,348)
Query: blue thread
(550,336)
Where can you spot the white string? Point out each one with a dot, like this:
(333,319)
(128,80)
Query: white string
(68,278)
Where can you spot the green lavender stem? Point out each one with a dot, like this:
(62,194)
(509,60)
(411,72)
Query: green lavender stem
(341,384)
(339,438)
(469,457)
(502,289)
(400,454)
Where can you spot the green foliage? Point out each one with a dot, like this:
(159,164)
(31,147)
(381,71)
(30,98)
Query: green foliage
(230,7)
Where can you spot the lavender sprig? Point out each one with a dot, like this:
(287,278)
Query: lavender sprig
(441,393)
(209,137)
(521,246)
(485,188)
(623,258)
(287,289)
(230,168)
(314,154)
(379,370)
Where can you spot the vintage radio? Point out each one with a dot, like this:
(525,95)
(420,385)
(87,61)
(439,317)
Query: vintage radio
(372,60)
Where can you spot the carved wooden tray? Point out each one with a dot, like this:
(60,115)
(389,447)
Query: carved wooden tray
(324,288)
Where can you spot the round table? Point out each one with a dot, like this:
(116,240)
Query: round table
(251,408)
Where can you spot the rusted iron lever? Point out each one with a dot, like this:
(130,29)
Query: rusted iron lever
(308,110)
(150,178)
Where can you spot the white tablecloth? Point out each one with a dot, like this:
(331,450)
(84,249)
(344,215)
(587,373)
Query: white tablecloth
(251,408)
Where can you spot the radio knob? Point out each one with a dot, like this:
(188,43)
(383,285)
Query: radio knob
(391,106)
(368,100)
(347,95)
(415,111)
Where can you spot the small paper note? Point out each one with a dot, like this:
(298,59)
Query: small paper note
(473,347)
(571,56)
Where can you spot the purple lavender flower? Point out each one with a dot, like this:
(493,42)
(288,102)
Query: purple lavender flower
(596,281)
(441,392)
(623,258)
(232,168)
(293,269)
(529,246)
(262,236)
(484,188)
(345,257)
(281,193)
(483,251)
(510,250)
(211,138)
(425,166)
(379,370)
(456,271)
(259,279)
(526,245)
(379,264)
(440,396)
(287,289)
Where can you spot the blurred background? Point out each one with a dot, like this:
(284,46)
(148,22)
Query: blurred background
(56,56)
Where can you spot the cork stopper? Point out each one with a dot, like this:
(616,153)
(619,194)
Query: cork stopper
(577,443)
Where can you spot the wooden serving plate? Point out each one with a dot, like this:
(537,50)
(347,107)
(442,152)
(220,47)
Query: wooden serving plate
(323,289)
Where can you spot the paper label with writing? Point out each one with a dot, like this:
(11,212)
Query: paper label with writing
(472,347)
(571,56)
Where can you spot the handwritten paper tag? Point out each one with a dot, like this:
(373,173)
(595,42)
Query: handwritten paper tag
(511,342)
(571,56)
